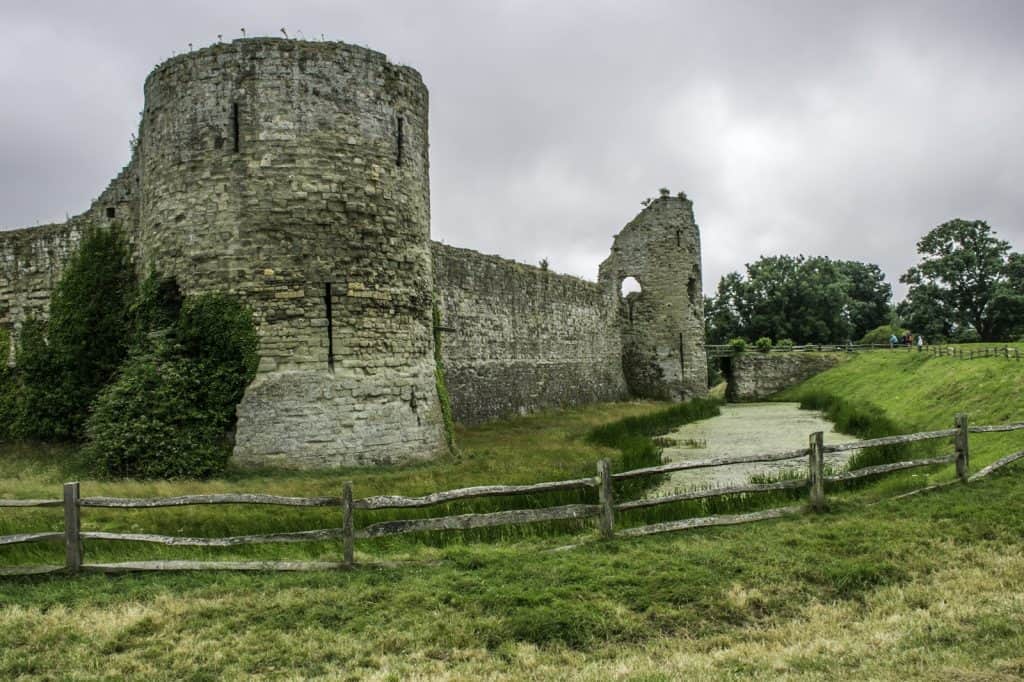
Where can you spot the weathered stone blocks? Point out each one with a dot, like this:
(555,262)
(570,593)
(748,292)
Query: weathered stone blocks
(755,376)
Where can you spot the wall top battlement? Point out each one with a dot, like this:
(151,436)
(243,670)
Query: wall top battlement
(258,47)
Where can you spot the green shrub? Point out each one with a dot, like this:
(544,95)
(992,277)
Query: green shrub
(964,334)
(87,337)
(170,412)
(8,389)
(738,345)
(880,335)
(41,404)
(156,306)
(763,344)
(217,334)
(784,343)
(147,425)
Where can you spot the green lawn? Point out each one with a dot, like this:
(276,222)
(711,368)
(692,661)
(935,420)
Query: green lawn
(928,587)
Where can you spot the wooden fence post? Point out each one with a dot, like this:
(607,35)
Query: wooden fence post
(962,451)
(72,529)
(605,496)
(347,525)
(816,471)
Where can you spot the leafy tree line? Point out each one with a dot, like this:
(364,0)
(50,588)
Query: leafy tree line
(147,380)
(805,299)
(967,286)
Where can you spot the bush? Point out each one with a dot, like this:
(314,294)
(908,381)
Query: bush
(156,306)
(880,335)
(217,333)
(8,389)
(147,425)
(40,404)
(763,344)
(170,412)
(784,343)
(86,338)
(738,345)
(964,334)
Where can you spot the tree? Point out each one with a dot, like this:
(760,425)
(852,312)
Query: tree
(869,295)
(809,300)
(967,277)
(85,340)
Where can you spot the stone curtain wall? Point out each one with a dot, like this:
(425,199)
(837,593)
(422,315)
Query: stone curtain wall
(663,325)
(516,338)
(755,376)
(33,258)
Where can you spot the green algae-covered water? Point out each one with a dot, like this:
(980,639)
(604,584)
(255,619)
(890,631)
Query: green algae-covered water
(747,429)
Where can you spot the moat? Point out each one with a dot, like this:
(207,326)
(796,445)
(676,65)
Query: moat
(747,429)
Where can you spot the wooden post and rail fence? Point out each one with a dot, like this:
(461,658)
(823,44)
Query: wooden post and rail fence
(605,510)
(1010,353)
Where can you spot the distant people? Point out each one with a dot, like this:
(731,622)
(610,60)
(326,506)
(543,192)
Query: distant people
(893,341)
(920,342)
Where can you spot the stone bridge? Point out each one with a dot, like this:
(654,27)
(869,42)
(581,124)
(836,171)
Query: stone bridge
(755,375)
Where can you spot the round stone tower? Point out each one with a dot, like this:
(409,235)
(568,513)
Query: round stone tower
(662,325)
(295,174)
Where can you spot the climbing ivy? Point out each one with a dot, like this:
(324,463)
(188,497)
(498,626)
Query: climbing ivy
(442,386)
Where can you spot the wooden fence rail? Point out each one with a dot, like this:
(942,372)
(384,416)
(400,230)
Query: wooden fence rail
(605,510)
(975,353)
(189,500)
(726,350)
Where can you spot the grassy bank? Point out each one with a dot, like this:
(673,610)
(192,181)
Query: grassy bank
(882,393)
(930,587)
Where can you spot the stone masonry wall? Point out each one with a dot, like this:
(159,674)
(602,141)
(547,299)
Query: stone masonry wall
(33,258)
(663,325)
(755,376)
(516,338)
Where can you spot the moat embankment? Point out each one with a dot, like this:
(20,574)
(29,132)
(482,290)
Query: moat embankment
(747,429)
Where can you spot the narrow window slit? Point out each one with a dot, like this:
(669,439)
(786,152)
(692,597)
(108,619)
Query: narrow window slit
(682,358)
(400,140)
(235,132)
(330,326)
(679,237)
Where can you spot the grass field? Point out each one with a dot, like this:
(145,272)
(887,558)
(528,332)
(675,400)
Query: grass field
(928,587)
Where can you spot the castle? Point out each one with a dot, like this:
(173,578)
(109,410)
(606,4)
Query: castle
(294,174)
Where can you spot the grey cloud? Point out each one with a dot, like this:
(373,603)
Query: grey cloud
(845,130)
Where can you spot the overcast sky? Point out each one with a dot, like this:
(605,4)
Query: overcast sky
(839,129)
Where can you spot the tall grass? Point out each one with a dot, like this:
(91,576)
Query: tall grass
(636,440)
(866,421)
